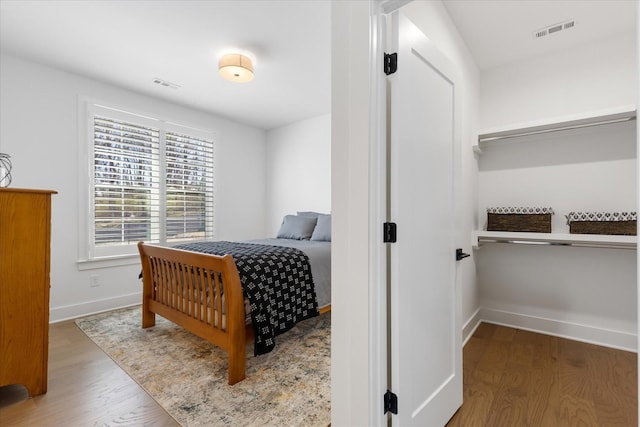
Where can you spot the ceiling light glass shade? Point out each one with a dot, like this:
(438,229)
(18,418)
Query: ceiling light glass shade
(236,68)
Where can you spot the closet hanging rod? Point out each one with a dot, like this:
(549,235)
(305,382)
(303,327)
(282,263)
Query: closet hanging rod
(497,136)
(552,243)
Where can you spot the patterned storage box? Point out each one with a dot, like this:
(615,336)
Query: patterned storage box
(620,223)
(525,219)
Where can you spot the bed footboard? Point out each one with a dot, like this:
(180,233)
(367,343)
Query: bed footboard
(202,293)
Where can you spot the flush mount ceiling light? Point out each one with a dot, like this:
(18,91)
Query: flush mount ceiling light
(236,67)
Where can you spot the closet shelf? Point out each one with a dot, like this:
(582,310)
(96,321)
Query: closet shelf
(503,134)
(559,239)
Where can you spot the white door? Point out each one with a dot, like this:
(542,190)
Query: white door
(426,341)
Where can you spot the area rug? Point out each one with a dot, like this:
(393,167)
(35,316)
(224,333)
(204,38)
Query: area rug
(187,376)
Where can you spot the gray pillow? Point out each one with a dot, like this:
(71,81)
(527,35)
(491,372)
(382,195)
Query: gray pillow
(296,227)
(309,214)
(322,232)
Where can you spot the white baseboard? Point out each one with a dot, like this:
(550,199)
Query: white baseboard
(579,332)
(59,314)
(471,325)
(574,331)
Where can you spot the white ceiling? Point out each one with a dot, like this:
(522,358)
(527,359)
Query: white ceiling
(499,32)
(129,43)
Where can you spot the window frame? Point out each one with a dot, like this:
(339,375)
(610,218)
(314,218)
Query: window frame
(88,251)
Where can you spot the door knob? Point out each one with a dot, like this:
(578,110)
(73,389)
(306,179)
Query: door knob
(460,255)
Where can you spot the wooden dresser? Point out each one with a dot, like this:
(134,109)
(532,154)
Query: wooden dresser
(25,234)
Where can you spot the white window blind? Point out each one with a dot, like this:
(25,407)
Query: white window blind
(126,182)
(150,183)
(189,187)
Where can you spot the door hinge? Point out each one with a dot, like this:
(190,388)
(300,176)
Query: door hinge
(390,63)
(389,232)
(460,255)
(390,402)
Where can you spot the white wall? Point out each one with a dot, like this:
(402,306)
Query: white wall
(597,76)
(299,170)
(350,207)
(39,129)
(351,338)
(581,170)
(587,294)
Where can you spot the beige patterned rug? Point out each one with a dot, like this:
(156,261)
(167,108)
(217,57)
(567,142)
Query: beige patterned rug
(188,376)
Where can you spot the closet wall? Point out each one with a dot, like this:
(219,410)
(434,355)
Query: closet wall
(584,293)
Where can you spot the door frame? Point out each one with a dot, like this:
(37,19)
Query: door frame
(378,325)
(378,301)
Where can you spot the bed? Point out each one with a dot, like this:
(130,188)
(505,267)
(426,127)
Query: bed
(229,293)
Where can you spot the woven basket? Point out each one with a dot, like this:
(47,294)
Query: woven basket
(531,220)
(532,223)
(615,223)
(625,228)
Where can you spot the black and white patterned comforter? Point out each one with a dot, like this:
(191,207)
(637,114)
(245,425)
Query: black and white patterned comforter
(276,280)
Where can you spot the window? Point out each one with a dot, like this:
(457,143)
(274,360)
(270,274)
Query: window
(151,181)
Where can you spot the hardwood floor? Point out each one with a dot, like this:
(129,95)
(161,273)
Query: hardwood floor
(518,378)
(85,388)
(511,378)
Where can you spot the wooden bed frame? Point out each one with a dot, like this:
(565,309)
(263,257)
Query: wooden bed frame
(187,288)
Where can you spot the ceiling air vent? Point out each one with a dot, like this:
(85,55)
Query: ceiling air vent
(165,83)
(541,33)
(553,29)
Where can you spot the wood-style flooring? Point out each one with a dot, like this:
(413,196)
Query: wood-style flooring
(518,378)
(86,388)
(512,378)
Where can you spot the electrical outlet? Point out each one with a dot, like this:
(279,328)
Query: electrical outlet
(94,281)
